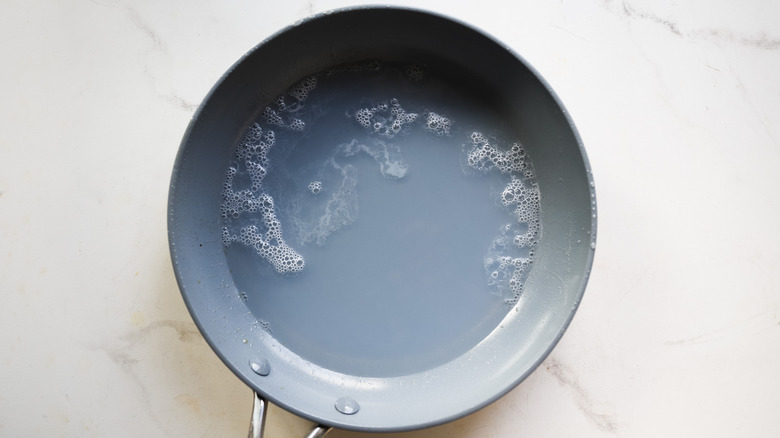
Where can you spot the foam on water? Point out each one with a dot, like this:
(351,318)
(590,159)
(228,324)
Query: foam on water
(300,91)
(437,124)
(263,235)
(283,112)
(385,119)
(315,187)
(301,176)
(414,72)
(522,193)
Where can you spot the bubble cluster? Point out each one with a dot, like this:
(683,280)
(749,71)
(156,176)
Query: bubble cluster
(272,117)
(301,89)
(265,325)
(296,125)
(507,264)
(525,198)
(237,202)
(483,156)
(255,144)
(508,270)
(364,115)
(377,119)
(253,152)
(280,103)
(283,115)
(414,72)
(522,195)
(269,245)
(252,160)
(355,67)
(437,124)
(315,187)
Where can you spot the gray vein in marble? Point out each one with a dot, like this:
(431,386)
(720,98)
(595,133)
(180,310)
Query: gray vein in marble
(752,325)
(665,95)
(127,364)
(761,40)
(630,12)
(120,355)
(761,116)
(566,377)
(306,9)
(138,22)
(569,32)
(179,102)
(158,46)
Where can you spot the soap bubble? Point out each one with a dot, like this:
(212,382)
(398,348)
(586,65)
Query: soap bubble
(364,115)
(301,89)
(483,156)
(272,117)
(377,120)
(354,67)
(315,187)
(437,124)
(414,72)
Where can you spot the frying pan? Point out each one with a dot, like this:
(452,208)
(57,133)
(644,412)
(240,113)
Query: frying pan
(422,347)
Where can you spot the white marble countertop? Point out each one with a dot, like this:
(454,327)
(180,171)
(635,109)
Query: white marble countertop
(678,104)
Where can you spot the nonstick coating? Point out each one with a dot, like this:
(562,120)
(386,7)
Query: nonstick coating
(501,360)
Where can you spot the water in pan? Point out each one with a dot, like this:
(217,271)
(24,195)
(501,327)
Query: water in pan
(378,221)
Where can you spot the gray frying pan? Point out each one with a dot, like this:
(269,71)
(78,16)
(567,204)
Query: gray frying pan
(381,219)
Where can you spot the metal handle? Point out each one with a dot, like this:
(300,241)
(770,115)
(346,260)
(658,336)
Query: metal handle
(259,409)
(256,426)
(318,432)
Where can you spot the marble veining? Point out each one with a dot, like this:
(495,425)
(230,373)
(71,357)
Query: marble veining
(754,325)
(144,27)
(127,354)
(179,102)
(159,52)
(760,39)
(585,403)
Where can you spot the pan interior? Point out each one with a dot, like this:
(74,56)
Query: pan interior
(379,218)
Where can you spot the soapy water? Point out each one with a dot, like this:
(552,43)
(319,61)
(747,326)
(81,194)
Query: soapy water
(314,220)
(248,214)
(369,197)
